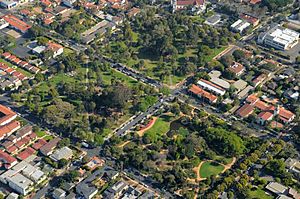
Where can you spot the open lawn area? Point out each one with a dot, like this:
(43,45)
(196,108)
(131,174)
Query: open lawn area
(108,76)
(161,127)
(210,168)
(215,53)
(259,194)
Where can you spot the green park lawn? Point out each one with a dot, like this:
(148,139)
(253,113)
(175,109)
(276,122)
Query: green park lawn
(210,168)
(259,194)
(160,127)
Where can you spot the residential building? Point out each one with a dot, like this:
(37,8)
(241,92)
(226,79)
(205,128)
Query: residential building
(240,26)
(48,148)
(198,92)
(293,165)
(211,87)
(9,128)
(3,24)
(94,163)
(16,23)
(68,3)
(116,190)
(57,49)
(7,115)
(276,188)
(17,182)
(12,196)
(213,20)
(279,38)
(245,110)
(237,69)
(8,4)
(254,21)
(59,194)
(183,4)
(63,153)
(259,79)
(264,116)
(7,160)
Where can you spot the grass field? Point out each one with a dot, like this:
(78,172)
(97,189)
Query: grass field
(259,194)
(215,53)
(210,168)
(161,127)
(40,133)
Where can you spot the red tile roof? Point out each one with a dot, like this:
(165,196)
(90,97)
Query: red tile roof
(22,142)
(199,91)
(32,136)
(6,55)
(266,115)
(236,68)
(253,2)
(16,23)
(190,2)
(26,153)
(37,145)
(249,18)
(3,66)
(54,46)
(286,114)
(12,149)
(8,114)
(9,128)
(261,105)
(275,124)
(245,110)
(6,158)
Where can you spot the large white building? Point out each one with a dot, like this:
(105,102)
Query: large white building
(279,38)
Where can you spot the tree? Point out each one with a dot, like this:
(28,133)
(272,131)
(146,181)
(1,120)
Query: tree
(62,163)
(238,55)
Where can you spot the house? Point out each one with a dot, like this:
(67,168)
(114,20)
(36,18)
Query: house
(240,26)
(17,182)
(59,193)
(237,69)
(7,160)
(116,190)
(211,87)
(213,20)
(3,24)
(12,196)
(57,49)
(254,21)
(68,3)
(7,115)
(16,23)
(183,4)
(63,153)
(263,117)
(8,4)
(285,115)
(276,188)
(94,163)
(259,79)
(9,128)
(48,148)
(197,91)
(293,165)
(245,110)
